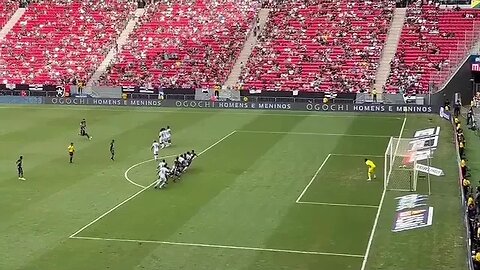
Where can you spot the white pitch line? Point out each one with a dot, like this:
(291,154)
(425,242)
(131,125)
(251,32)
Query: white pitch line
(313,178)
(197,111)
(312,133)
(219,246)
(370,239)
(340,204)
(140,191)
(109,211)
(219,141)
(138,164)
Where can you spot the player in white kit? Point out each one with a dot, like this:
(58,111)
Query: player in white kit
(161,136)
(156,148)
(162,178)
(162,164)
(164,139)
(168,134)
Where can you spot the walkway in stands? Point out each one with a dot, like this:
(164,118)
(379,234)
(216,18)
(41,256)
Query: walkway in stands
(244,55)
(13,20)
(390,48)
(122,40)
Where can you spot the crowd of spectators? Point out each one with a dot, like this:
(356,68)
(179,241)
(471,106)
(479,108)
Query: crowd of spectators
(433,41)
(471,194)
(64,40)
(319,45)
(7,8)
(183,44)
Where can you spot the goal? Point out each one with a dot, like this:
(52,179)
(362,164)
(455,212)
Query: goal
(400,164)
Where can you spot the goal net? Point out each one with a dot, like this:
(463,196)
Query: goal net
(399,170)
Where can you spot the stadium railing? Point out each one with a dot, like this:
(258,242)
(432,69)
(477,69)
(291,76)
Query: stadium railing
(298,99)
(464,204)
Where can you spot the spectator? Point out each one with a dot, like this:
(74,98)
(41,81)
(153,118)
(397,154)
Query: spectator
(470,116)
(463,168)
(466,186)
(461,149)
(456,108)
(446,105)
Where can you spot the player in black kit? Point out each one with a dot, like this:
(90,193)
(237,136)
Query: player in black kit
(20,168)
(83,129)
(112,150)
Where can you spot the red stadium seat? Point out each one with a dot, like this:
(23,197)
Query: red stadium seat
(57,41)
(186,44)
(320,45)
(7,8)
(432,43)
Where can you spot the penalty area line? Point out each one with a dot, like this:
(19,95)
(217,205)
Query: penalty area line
(312,133)
(217,246)
(141,191)
(313,178)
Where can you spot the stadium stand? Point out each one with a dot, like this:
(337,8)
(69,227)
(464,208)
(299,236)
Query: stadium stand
(7,8)
(433,42)
(183,44)
(319,45)
(56,41)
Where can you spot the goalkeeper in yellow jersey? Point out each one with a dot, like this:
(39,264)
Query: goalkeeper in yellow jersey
(371,169)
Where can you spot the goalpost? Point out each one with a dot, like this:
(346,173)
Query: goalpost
(399,170)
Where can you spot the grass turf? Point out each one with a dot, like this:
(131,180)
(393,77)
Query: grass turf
(238,199)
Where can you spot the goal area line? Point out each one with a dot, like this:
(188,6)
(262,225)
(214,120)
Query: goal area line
(216,246)
(299,198)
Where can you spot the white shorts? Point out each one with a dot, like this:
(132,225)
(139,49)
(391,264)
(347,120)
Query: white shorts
(163,178)
(155,153)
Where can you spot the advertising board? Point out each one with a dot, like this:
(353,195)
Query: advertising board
(282,106)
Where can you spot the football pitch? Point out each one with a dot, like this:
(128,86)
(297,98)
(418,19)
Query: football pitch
(269,190)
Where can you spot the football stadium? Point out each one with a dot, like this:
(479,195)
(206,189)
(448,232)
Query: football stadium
(239,134)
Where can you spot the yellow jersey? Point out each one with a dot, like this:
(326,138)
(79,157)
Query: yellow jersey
(370,164)
(477,257)
(71,149)
(470,201)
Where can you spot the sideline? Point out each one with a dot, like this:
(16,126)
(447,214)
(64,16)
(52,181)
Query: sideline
(217,246)
(329,114)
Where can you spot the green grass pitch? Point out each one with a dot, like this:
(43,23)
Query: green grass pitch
(270,190)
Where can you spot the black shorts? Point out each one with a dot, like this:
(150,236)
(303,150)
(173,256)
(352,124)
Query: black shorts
(112,152)
(20,170)
(70,153)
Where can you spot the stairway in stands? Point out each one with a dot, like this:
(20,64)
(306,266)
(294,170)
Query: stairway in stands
(13,20)
(122,40)
(390,48)
(230,92)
